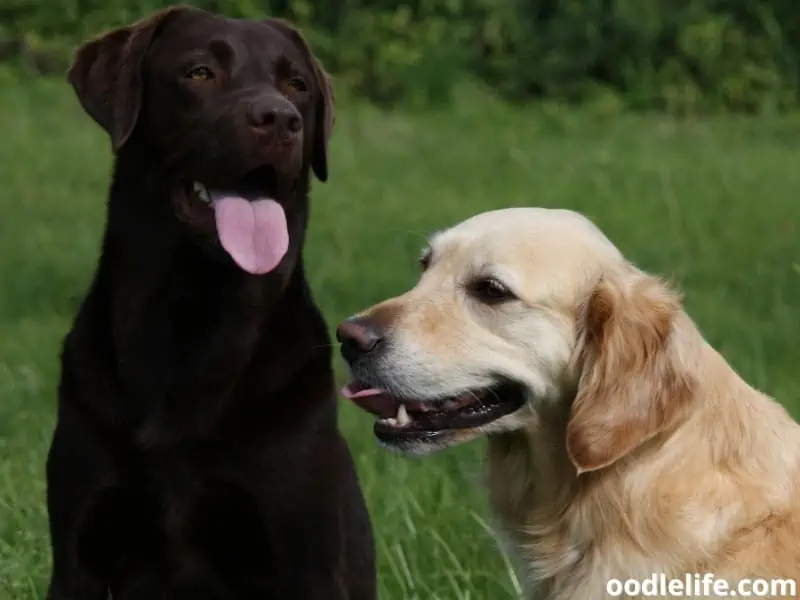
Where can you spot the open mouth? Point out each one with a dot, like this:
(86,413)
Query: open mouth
(402,420)
(250,223)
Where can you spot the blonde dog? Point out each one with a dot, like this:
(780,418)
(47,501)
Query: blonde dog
(620,443)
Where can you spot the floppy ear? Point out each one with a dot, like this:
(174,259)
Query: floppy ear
(632,385)
(107,75)
(326,107)
(324,124)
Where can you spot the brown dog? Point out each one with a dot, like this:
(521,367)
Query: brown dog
(196,454)
(621,445)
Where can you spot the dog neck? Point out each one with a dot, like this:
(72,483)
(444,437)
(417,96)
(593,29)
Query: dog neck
(685,493)
(187,332)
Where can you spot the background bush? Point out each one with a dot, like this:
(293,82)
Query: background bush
(674,55)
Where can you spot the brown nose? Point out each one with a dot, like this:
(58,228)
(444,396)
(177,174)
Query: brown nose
(358,336)
(275,116)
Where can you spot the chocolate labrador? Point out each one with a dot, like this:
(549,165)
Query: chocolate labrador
(196,453)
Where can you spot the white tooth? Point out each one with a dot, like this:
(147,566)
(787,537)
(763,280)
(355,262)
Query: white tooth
(402,416)
(201,192)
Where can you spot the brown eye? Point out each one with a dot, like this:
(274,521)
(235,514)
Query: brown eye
(200,74)
(425,261)
(296,84)
(490,291)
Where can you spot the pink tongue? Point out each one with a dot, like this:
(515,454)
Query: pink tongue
(254,232)
(371,400)
(352,390)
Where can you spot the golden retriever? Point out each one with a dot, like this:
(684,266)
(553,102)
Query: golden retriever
(620,443)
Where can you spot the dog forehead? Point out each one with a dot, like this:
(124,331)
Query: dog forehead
(537,251)
(196,31)
(525,233)
(194,26)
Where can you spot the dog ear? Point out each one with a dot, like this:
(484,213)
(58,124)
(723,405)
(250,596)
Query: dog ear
(324,124)
(106,74)
(632,385)
(325,109)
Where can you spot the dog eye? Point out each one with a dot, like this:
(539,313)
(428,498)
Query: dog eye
(490,290)
(200,74)
(425,261)
(296,84)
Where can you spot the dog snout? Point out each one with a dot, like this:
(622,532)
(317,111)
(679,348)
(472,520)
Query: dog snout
(275,117)
(359,336)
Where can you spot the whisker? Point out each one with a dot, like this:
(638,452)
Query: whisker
(493,392)
(329,345)
(479,399)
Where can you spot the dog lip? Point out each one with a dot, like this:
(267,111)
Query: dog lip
(372,400)
(356,389)
(381,403)
(261,180)
(466,411)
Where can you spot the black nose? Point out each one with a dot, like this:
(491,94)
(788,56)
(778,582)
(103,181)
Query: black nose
(275,116)
(358,336)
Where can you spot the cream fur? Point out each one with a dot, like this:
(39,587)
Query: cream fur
(640,450)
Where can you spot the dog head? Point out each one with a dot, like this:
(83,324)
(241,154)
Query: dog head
(521,315)
(233,113)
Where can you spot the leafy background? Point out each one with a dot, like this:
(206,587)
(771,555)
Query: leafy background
(673,124)
(674,55)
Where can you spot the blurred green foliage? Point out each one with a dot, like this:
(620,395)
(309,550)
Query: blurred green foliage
(673,55)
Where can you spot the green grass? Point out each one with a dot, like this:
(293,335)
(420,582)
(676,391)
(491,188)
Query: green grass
(714,205)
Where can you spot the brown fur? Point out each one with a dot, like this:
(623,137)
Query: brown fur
(632,386)
(714,491)
(196,454)
(639,451)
